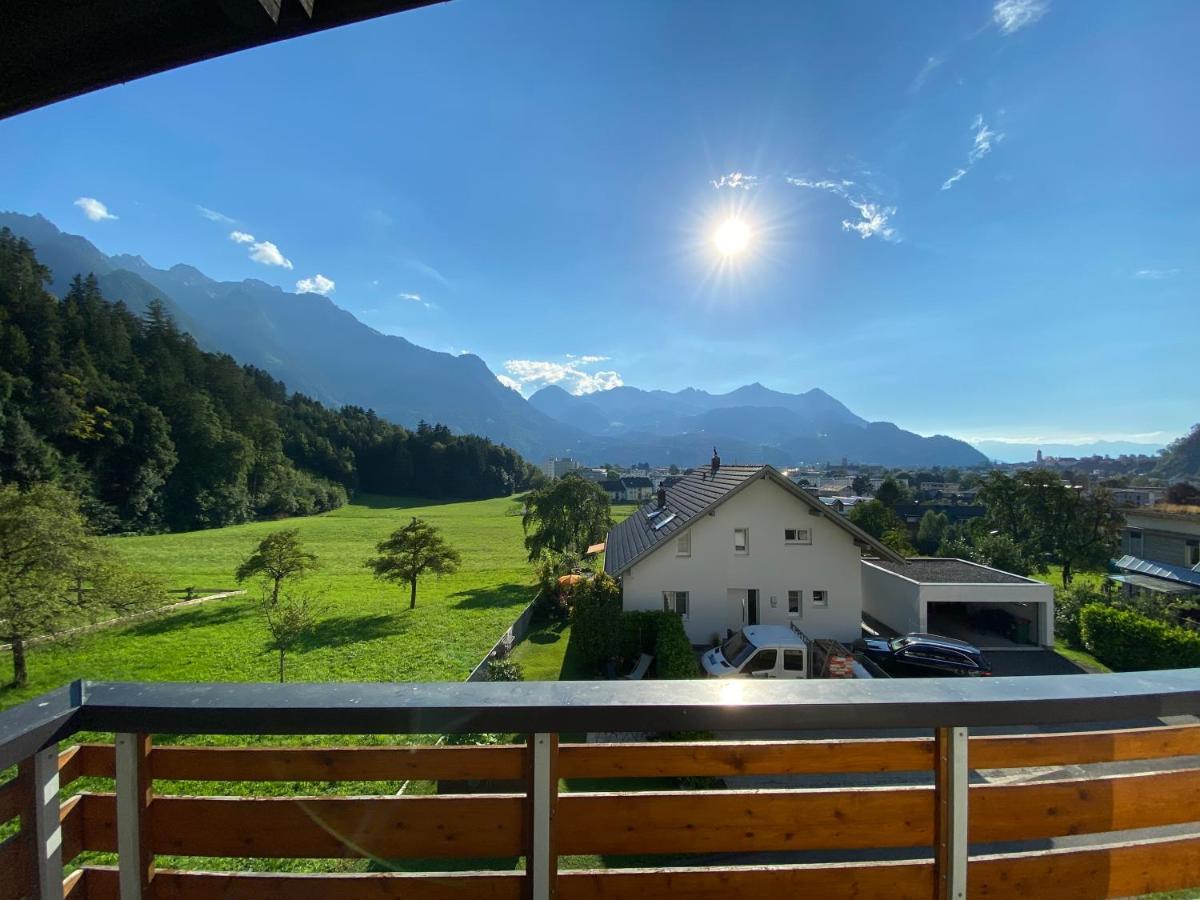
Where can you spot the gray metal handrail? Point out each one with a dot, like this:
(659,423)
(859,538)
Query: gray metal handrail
(529,707)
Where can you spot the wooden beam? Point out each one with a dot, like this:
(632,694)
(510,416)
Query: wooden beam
(951,791)
(744,821)
(47,838)
(541,802)
(1081,748)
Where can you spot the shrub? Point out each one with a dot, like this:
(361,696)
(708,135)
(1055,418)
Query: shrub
(673,654)
(505,670)
(1128,641)
(1068,602)
(596,620)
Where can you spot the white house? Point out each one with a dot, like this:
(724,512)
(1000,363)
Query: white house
(743,545)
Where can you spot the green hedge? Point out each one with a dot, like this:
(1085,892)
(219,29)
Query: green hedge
(673,653)
(601,630)
(1128,641)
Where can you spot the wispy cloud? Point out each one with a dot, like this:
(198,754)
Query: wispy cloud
(318,284)
(736,180)
(240,237)
(415,298)
(269,255)
(1155,274)
(428,271)
(509,382)
(927,69)
(982,139)
(874,217)
(213,216)
(1013,15)
(94,209)
(535,373)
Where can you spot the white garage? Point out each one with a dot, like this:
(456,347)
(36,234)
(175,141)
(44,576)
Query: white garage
(992,609)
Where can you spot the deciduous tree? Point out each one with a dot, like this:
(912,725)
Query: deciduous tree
(568,514)
(278,557)
(412,551)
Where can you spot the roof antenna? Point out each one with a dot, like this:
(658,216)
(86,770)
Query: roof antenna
(716,462)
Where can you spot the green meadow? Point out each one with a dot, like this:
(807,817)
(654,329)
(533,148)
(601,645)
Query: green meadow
(365,632)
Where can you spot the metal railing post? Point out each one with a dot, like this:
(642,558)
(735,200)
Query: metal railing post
(135,861)
(541,853)
(951,787)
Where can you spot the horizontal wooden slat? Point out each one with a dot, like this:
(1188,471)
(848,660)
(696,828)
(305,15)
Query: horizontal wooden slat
(398,763)
(70,817)
(75,886)
(93,761)
(1113,870)
(11,800)
(68,766)
(1081,748)
(744,821)
(173,885)
(730,758)
(1001,812)
(384,827)
(907,880)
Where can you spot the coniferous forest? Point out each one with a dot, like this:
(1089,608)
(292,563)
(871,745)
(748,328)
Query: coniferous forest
(155,434)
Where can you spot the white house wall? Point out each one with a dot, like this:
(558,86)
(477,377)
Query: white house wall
(894,601)
(830,563)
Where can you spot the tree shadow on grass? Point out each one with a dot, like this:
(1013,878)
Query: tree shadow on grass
(495,597)
(383,501)
(219,612)
(337,631)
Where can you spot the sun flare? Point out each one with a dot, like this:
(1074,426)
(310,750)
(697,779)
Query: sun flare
(731,237)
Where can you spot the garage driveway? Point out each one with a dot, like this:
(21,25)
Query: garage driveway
(1031,662)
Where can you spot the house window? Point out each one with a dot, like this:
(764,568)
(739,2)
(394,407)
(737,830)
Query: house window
(820,600)
(683,544)
(794,603)
(676,602)
(797,536)
(741,541)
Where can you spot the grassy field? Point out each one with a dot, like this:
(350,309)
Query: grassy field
(1053,576)
(366,632)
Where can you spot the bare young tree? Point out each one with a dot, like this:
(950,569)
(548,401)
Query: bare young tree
(290,616)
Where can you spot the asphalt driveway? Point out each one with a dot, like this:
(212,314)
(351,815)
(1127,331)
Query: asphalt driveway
(1031,662)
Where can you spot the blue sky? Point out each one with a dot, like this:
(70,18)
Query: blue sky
(977,219)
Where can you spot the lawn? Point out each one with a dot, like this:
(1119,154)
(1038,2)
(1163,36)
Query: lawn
(1053,575)
(366,632)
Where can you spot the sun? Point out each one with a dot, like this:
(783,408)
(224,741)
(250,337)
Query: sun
(732,237)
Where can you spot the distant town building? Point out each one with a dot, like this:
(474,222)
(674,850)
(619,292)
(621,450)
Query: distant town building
(638,487)
(557,467)
(615,488)
(1137,496)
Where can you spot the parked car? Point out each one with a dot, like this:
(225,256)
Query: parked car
(923,655)
(759,651)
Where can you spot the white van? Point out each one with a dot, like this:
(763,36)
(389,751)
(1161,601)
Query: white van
(760,651)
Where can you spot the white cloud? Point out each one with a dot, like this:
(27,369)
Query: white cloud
(927,69)
(949,182)
(1155,274)
(415,298)
(736,180)
(509,382)
(539,373)
(94,209)
(318,284)
(874,220)
(1013,15)
(269,255)
(873,216)
(213,216)
(981,145)
(240,237)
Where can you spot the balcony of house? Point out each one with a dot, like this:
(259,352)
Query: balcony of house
(1097,810)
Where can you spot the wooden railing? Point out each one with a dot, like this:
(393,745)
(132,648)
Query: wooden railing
(392,830)
(1108,831)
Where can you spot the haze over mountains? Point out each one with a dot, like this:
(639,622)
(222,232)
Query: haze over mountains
(322,350)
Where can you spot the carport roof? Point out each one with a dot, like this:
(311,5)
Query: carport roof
(939,570)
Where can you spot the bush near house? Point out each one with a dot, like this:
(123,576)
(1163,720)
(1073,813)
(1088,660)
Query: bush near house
(673,654)
(602,631)
(1068,603)
(1129,641)
(596,620)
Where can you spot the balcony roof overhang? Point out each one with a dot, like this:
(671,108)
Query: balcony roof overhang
(50,51)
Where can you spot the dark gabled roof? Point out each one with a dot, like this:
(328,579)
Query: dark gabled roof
(637,481)
(612,485)
(54,49)
(696,494)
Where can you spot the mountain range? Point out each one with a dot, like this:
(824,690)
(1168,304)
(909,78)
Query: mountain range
(322,350)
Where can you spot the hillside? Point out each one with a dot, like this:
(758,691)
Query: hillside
(154,433)
(1181,460)
(308,342)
